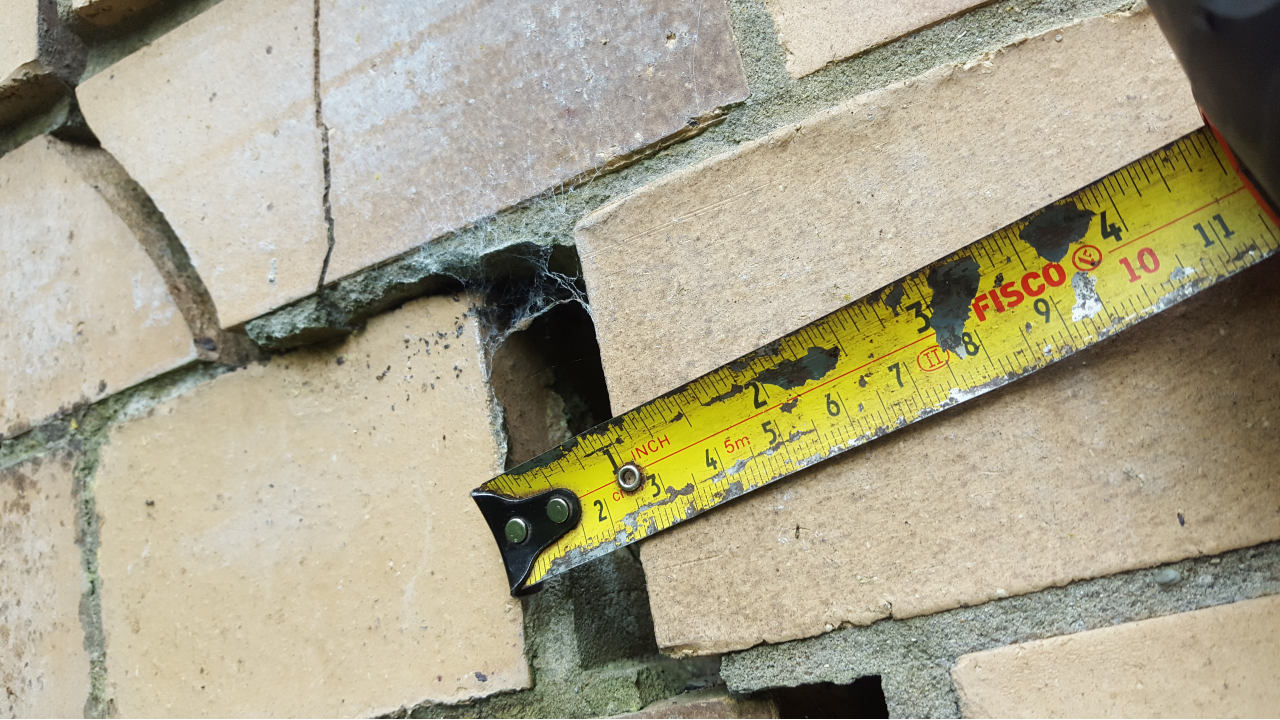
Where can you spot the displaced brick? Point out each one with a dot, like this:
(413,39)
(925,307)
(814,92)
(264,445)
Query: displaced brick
(442,114)
(216,120)
(709,703)
(1216,662)
(796,224)
(86,312)
(108,12)
(816,33)
(298,539)
(44,668)
(1044,482)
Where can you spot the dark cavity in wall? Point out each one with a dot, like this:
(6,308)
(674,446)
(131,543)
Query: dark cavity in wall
(862,698)
(550,381)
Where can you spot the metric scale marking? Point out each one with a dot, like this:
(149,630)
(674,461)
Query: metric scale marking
(1059,280)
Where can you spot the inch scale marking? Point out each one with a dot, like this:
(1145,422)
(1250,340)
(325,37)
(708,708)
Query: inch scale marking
(1078,271)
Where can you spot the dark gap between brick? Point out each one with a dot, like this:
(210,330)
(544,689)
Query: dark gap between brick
(862,698)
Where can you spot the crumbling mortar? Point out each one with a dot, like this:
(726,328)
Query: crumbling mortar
(48,121)
(108,44)
(97,705)
(914,656)
(61,51)
(82,424)
(497,412)
(547,220)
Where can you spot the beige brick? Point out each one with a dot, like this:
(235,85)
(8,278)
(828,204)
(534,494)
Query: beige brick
(217,121)
(86,311)
(710,703)
(1217,662)
(108,12)
(858,196)
(443,113)
(19,24)
(1047,481)
(44,668)
(298,539)
(817,32)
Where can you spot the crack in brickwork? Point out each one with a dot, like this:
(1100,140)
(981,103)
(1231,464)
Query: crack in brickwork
(534,239)
(324,146)
(547,219)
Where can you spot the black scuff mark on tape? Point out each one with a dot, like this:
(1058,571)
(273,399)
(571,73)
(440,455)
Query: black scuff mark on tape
(789,405)
(671,495)
(954,285)
(789,374)
(606,430)
(1245,252)
(733,390)
(545,459)
(893,297)
(1052,230)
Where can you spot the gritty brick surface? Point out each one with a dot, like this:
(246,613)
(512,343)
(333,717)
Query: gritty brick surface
(1216,662)
(297,538)
(44,668)
(19,23)
(86,313)
(712,262)
(217,121)
(817,32)
(443,113)
(1047,481)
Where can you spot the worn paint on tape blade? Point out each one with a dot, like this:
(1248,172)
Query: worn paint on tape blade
(1059,280)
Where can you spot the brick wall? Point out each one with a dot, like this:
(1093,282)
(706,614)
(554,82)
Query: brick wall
(284,279)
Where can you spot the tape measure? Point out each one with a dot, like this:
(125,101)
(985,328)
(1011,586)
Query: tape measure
(1061,279)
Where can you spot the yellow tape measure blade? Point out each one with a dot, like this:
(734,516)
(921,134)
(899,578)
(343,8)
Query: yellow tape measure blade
(1055,282)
